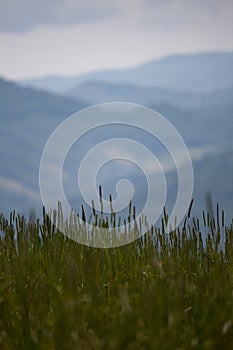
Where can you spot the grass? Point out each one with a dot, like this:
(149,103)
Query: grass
(166,291)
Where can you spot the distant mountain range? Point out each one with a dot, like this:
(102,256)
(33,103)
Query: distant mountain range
(27,119)
(95,92)
(16,102)
(203,72)
(195,93)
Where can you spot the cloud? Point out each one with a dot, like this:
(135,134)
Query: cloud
(26,15)
(18,188)
(169,15)
(101,45)
(74,36)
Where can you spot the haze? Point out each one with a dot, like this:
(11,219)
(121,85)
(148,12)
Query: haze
(39,38)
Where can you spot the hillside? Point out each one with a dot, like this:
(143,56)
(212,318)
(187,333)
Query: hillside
(27,119)
(204,120)
(192,72)
(95,92)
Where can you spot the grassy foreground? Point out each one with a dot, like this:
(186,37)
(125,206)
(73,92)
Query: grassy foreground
(164,292)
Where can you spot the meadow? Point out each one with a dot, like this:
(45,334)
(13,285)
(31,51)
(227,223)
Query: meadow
(162,291)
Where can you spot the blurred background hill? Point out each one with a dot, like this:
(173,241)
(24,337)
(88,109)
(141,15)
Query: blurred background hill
(194,92)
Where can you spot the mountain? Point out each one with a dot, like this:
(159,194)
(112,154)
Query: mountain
(202,72)
(101,92)
(194,93)
(27,119)
(17,102)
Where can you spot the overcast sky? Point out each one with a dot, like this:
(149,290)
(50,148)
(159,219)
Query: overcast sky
(40,37)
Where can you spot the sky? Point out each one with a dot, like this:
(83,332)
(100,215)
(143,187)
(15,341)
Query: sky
(68,37)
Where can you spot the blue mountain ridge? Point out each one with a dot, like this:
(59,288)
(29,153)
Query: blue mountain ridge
(202,116)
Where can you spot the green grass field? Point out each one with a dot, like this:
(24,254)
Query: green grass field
(166,291)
